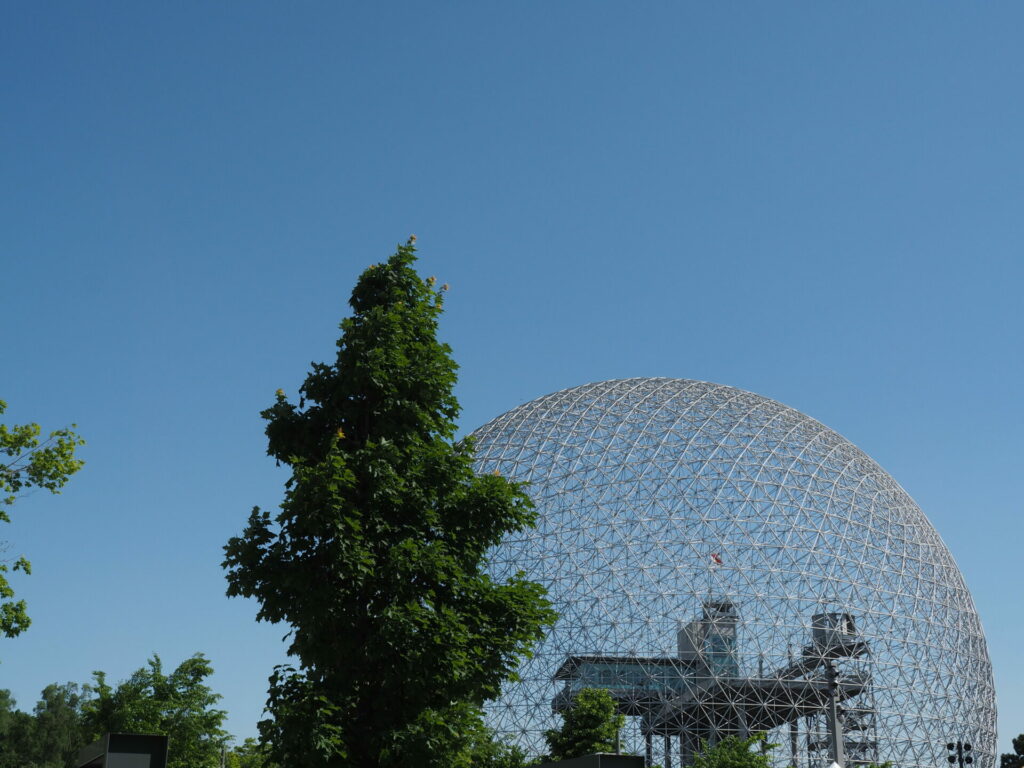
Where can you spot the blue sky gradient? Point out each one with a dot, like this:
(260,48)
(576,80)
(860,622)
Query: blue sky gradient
(818,202)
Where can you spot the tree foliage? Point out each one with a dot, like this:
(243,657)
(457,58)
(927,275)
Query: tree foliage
(17,735)
(590,724)
(1014,759)
(249,754)
(482,748)
(26,462)
(50,737)
(58,726)
(734,752)
(179,705)
(375,559)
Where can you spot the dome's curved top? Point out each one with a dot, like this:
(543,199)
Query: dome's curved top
(641,484)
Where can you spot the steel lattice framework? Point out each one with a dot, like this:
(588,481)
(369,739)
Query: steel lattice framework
(832,589)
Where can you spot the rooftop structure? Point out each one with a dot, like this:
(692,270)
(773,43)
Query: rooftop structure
(699,695)
(723,564)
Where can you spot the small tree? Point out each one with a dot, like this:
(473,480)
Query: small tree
(376,560)
(734,752)
(590,724)
(488,751)
(1014,759)
(26,462)
(248,754)
(179,705)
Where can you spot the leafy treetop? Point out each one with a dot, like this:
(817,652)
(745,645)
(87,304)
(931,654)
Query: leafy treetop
(590,724)
(734,752)
(1014,759)
(179,705)
(50,737)
(248,754)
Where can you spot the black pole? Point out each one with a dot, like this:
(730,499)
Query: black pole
(959,752)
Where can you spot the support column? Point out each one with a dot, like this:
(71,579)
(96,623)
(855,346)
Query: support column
(668,751)
(741,716)
(687,748)
(649,750)
(835,726)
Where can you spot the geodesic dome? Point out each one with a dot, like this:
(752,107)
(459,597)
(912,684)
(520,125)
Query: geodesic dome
(722,563)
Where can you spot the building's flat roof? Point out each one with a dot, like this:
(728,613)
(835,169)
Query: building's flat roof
(572,663)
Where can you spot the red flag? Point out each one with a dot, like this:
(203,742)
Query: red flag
(715,559)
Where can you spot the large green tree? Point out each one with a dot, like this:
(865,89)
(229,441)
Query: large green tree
(179,705)
(376,558)
(29,461)
(590,724)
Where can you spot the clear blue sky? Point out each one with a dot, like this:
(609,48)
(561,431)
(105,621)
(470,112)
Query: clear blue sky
(819,202)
